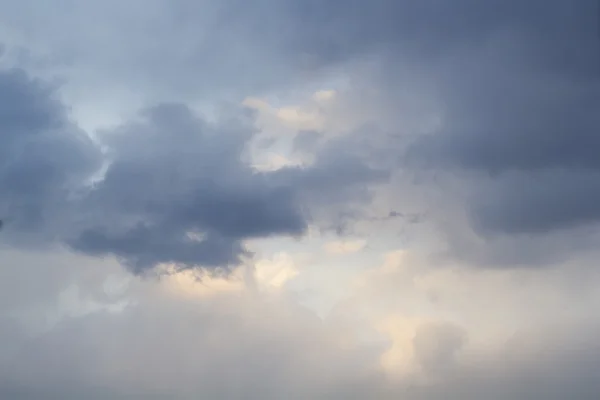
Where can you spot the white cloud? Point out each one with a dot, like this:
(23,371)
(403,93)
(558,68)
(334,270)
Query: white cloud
(405,325)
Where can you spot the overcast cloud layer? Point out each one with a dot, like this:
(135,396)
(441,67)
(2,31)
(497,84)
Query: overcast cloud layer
(352,199)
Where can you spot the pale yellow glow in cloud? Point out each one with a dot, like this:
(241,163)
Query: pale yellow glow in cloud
(268,274)
(394,263)
(298,118)
(274,161)
(275,272)
(324,95)
(345,246)
(256,104)
(399,358)
(192,284)
(309,115)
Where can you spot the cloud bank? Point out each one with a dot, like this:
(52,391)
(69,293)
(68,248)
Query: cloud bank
(345,199)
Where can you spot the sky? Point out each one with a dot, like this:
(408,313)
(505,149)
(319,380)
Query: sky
(299,199)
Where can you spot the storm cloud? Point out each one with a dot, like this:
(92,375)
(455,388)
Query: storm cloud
(521,109)
(176,188)
(352,199)
(43,157)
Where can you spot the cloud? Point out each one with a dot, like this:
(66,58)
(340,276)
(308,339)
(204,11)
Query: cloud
(175,187)
(44,157)
(237,146)
(225,342)
(182,338)
(171,174)
(541,202)
(306,141)
(275,272)
(345,247)
(520,107)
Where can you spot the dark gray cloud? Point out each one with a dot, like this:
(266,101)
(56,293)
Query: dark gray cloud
(277,43)
(538,202)
(173,174)
(517,85)
(340,182)
(520,108)
(507,114)
(306,141)
(43,156)
(177,188)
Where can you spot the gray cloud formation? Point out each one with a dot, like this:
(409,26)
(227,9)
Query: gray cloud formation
(43,157)
(177,188)
(516,83)
(522,107)
(517,88)
(172,174)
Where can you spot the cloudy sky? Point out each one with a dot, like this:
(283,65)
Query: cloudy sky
(300,199)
